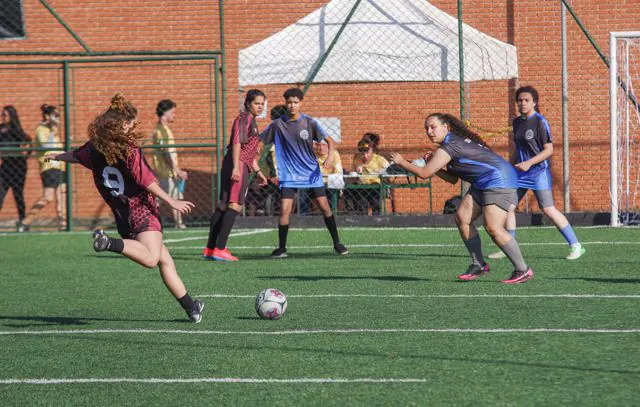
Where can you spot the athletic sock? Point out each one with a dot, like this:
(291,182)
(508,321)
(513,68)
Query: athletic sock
(214,228)
(569,235)
(474,246)
(283,230)
(512,250)
(333,229)
(226,223)
(115,245)
(186,302)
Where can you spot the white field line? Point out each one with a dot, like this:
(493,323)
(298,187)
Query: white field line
(322,331)
(401,245)
(250,380)
(244,233)
(570,296)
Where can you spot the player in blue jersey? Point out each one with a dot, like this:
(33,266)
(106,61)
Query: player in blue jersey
(533,149)
(293,135)
(463,154)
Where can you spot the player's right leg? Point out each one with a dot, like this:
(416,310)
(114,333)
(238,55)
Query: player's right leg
(329,220)
(466,214)
(174,284)
(286,206)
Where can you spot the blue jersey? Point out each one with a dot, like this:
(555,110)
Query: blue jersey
(295,158)
(478,165)
(530,134)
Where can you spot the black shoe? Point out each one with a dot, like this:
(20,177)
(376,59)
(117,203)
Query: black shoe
(100,240)
(341,249)
(279,253)
(474,271)
(518,277)
(195,313)
(21,227)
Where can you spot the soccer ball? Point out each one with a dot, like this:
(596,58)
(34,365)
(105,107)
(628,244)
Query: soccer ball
(271,303)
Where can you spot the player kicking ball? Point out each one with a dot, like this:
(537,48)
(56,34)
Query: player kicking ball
(293,135)
(129,187)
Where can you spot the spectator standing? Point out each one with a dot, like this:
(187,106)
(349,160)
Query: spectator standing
(13,167)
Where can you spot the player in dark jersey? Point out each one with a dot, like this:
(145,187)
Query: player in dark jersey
(533,149)
(129,187)
(492,194)
(241,159)
(293,135)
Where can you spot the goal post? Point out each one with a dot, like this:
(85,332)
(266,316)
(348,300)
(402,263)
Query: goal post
(624,74)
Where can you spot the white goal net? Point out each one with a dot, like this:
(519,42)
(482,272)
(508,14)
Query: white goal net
(625,128)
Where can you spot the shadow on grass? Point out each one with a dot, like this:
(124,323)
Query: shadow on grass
(321,278)
(38,320)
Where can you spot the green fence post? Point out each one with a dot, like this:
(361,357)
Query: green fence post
(67,143)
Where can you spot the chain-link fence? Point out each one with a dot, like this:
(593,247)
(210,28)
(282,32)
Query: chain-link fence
(79,90)
(380,67)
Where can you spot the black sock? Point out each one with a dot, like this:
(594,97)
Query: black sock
(283,230)
(226,223)
(214,228)
(333,229)
(115,245)
(186,302)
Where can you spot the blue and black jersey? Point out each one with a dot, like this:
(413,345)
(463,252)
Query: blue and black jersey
(530,134)
(295,158)
(477,164)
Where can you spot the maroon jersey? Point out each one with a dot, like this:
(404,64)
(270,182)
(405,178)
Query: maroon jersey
(245,133)
(123,187)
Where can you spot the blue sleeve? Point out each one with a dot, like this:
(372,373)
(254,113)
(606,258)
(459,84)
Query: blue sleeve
(544,131)
(267,134)
(318,132)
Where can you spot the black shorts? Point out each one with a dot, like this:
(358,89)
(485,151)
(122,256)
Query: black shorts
(290,193)
(52,178)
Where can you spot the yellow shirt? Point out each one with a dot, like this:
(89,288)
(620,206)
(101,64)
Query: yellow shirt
(48,139)
(336,165)
(162,135)
(374,166)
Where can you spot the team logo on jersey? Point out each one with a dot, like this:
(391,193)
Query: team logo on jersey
(304,134)
(528,134)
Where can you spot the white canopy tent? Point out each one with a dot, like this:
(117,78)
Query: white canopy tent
(385,40)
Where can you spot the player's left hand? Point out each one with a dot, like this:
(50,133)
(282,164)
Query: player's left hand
(262,179)
(523,166)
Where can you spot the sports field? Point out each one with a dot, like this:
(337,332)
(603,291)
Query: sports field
(387,325)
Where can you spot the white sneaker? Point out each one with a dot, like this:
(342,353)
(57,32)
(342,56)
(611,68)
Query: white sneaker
(575,252)
(497,255)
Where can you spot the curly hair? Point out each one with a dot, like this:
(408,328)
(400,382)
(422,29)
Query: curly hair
(456,126)
(107,132)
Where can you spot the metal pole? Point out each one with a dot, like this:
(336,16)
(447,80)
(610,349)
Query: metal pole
(67,142)
(66,27)
(565,114)
(613,157)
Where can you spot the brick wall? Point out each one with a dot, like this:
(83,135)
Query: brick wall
(395,110)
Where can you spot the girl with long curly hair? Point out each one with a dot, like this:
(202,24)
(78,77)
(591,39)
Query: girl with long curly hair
(129,187)
(492,194)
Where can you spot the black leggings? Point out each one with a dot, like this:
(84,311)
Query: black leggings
(13,176)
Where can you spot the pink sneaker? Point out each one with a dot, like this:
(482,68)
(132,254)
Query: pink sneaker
(223,255)
(474,271)
(207,253)
(518,277)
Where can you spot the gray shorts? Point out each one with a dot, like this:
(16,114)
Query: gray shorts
(544,196)
(503,198)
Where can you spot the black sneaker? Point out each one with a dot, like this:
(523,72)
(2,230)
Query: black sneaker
(195,313)
(279,253)
(518,277)
(21,227)
(341,249)
(474,271)
(100,240)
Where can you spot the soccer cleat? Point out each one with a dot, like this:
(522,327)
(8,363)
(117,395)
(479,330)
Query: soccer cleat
(100,240)
(195,313)
(474,271)
(223,255)
(279,253)
(518,277)
(576,252)
(341,249)
(497,255)
(21,227)
(207,253)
